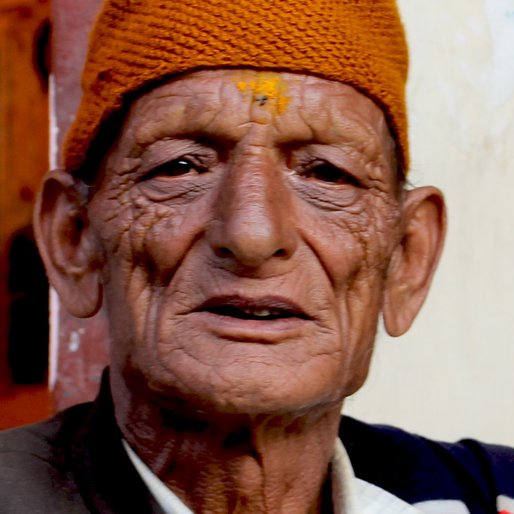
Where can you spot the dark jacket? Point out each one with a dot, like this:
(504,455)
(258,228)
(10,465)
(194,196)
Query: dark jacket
(75,463)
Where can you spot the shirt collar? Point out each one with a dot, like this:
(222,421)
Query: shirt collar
(350,495)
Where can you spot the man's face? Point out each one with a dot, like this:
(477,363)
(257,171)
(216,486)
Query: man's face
(247,221)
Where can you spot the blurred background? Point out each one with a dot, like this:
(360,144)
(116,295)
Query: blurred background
(451,376)
(24,73)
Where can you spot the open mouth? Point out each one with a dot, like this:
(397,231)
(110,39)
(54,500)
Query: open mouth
(264,309)
(258,313)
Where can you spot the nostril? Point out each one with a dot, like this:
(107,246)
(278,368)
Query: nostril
(280,253)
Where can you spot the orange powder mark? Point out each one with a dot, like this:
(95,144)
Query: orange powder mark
(268,89)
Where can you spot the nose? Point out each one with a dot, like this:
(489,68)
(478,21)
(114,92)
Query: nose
(254,223)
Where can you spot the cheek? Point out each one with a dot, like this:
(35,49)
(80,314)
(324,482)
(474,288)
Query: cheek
(356,242)
(147,236)
(145,242)
(354,247)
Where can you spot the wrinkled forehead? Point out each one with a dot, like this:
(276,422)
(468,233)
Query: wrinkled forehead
(134,44)
(285,108)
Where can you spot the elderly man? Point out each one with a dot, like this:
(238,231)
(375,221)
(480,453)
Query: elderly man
(234,195)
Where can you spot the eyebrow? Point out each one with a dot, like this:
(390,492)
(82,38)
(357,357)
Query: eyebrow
(369,147)
(201,138)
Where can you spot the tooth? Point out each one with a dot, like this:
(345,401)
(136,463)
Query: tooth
(258,312)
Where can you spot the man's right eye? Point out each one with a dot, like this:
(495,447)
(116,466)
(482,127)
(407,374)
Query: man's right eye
(176,168)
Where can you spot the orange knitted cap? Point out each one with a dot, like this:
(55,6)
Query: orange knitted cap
(137,42)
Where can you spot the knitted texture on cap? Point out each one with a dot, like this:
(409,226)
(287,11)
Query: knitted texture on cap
(137,42)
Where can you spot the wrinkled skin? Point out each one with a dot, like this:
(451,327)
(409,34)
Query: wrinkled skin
(257,223)
(214,197)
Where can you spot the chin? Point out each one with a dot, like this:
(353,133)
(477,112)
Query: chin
(248,389)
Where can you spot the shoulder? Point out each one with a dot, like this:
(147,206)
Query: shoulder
(34,465)
(418,469)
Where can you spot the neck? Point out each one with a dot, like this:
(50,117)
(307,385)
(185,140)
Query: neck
(228,463)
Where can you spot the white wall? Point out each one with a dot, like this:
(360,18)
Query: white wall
(452,375)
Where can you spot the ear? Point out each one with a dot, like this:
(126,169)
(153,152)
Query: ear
(415,258)
(66,243)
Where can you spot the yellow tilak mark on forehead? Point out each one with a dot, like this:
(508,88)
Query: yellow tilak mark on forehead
(267,90)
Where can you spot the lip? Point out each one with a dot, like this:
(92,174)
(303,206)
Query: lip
(234,328)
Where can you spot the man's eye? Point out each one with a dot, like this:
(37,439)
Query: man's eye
(177,167)
(326,172)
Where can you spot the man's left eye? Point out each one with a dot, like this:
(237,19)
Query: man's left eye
(327,172)
(177,167)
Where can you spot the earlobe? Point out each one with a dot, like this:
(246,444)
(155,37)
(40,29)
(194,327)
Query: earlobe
(67,245)
(415,258)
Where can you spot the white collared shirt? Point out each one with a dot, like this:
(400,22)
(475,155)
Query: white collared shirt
(350,495)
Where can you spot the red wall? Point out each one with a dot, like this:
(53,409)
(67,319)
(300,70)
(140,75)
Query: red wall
(80,351)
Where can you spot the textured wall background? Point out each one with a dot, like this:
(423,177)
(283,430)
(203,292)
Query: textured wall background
(452,375)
